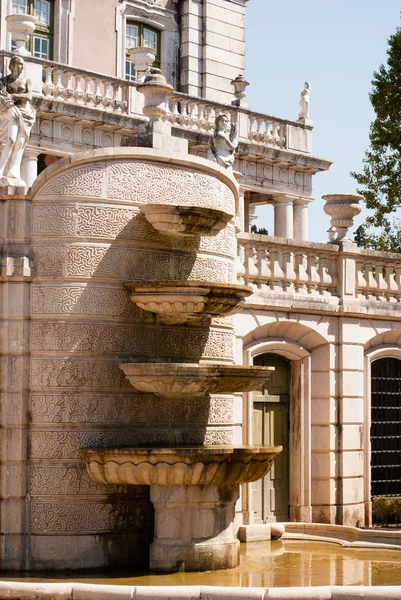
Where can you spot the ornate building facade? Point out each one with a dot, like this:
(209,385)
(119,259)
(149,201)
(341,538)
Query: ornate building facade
(325,316)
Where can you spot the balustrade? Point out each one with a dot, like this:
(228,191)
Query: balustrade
(91,90)
(378,276)
(274,264)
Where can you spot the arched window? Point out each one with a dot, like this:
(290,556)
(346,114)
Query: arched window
(41,42)
(140,34)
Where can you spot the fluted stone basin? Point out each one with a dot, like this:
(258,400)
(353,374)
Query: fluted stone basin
(190,379)
(194,465)
(181,301)
(185,220)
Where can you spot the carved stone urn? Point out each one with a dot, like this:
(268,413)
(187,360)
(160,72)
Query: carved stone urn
(342,208)
(156,91)
(142,58)
(21,27)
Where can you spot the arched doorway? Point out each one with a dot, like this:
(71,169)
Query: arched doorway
(271,410)
(385,430)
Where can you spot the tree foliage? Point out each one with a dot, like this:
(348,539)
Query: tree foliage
(380,179)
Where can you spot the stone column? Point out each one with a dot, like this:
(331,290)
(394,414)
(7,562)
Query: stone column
(29,166)
(194,527)
(300,215)
(283,217)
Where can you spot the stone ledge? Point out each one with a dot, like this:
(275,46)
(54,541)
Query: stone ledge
(82,591)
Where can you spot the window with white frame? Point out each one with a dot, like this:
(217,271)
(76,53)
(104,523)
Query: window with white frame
(140,34)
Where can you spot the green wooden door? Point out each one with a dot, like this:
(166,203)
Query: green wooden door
(270,495)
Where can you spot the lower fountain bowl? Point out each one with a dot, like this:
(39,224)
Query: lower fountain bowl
(194,465)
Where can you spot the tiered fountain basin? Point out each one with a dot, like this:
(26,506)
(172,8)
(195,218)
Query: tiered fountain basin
(190,379)
(193,465)
(181,301)
(184,220)
(193,491)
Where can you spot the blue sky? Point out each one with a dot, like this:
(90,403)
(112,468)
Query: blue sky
(336,45)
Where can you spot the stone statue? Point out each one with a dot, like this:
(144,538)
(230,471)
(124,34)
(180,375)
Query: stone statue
(304,102)
(223,144)
(18,119)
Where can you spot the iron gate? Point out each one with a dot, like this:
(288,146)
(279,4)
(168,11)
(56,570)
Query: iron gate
(385,431)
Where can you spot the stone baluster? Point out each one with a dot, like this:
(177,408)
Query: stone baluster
(325,279)
(392,287)
(240,264)
(397,280)
(263,269)
(282,134)
(251,259)
(276,133)
(173,114)
(260,134)
(371,280)
(380,280)
(251,128)
(117,104)
(360,279)
(289,271)
(201,117)
(277,273)
(183,118)
(88,94)
(313,274)
(59,89)
(69,88)
(98,97)
(79,91)
(333,271)
(301,280)
(192,115)
(107,98)
(48,86)
(209,126)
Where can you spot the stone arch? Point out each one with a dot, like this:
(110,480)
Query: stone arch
(309,352)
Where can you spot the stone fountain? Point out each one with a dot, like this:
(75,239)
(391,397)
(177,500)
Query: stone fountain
(174,254)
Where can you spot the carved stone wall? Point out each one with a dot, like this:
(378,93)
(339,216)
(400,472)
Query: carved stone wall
(88,237)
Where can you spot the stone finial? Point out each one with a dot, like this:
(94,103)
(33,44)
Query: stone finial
(342,208)
(240,85)
(304,103)
(157,92)
(142,58)
(224,144)
(21,26)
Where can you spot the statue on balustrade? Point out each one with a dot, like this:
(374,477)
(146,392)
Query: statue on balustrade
(224,143)
(18,118)
(304,102)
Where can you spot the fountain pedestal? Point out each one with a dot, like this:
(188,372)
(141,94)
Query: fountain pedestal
(194,528)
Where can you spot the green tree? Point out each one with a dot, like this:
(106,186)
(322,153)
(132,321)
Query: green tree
(380,179)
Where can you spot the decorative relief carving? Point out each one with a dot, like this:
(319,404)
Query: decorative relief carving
(81,517)
(54,219)
(106,222)
(49,260)
(68,444)
(139,340)
(87,136)
(76,372)
(107,140)
(141,181)
(66,133)
(109,408)
(86,299)
(46,128)
(68,481)
(81,181)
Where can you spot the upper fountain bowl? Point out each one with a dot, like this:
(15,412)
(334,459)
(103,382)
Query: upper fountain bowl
(185,220)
